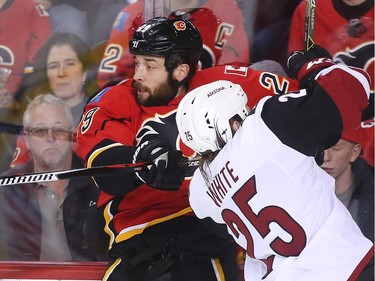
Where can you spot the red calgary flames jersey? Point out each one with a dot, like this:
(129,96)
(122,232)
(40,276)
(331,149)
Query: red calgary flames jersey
(114,115)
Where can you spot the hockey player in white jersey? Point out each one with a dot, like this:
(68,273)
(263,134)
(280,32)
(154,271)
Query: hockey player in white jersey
(259,178)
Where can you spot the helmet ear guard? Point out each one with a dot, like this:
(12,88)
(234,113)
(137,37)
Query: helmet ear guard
(204,114)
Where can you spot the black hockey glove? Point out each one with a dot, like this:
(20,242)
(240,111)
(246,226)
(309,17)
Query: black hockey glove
(303,66)
(165,170)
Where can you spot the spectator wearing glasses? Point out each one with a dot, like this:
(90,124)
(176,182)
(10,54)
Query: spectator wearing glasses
(52,221)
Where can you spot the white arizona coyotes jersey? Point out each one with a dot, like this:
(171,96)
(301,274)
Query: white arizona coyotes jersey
(280,207)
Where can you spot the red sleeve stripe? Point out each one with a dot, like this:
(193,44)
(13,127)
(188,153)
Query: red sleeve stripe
(366,259)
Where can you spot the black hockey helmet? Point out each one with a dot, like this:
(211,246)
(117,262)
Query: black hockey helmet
(171,38)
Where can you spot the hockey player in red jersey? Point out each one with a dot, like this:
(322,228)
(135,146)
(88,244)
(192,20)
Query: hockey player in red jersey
(220,23)
(258,177)
(346,30)
(153,229)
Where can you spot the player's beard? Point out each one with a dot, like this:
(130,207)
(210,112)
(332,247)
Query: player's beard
(162,95)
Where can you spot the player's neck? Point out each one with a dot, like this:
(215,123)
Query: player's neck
(181,91)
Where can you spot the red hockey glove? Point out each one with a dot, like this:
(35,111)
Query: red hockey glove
(164,171)
(305,65)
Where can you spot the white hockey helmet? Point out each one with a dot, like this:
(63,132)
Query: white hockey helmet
(203,115)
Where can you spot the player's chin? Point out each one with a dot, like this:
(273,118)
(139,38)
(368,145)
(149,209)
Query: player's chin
(142,98)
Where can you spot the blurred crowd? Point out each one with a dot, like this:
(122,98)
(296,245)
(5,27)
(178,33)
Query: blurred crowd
(57,54)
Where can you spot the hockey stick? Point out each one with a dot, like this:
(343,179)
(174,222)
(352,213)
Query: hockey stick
(68,174)
(11,128)
(82,172)
(309,25)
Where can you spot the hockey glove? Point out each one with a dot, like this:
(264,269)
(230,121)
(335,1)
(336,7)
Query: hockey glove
(164,170)
(305,65)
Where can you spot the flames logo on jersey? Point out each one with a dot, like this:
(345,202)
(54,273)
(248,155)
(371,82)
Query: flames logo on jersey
(363,56)
(164,127)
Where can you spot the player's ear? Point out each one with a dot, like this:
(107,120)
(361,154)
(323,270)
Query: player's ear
(181,71)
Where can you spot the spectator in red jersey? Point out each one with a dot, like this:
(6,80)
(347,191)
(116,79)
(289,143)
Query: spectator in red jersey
(24,27)
(220,23)
(354,185)
(345,28)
